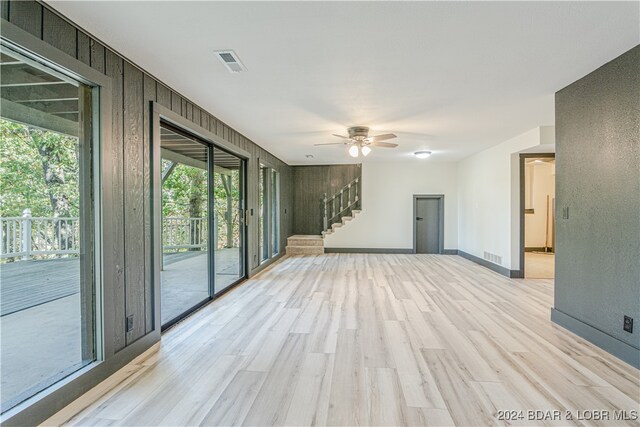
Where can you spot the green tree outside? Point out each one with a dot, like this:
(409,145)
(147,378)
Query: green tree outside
(39,170)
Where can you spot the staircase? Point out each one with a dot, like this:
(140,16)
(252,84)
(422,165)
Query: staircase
(336,211)
(342,207)
(342,222)
(305,245)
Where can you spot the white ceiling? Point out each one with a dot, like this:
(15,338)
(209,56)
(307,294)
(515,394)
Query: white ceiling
(450,77)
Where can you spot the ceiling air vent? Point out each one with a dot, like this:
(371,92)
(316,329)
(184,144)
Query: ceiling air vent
(231,61)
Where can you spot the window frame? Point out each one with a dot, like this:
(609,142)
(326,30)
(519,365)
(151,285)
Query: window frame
(270,216)
(264,223)
(274,189)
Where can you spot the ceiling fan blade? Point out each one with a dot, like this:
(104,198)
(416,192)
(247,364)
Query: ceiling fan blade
(383,144)
(332,143)
(381,137)
(340,136)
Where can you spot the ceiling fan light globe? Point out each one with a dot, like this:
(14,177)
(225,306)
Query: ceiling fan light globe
(353,151)
(365,151)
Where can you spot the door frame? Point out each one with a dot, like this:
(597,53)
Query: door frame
(440,198)
(523,157)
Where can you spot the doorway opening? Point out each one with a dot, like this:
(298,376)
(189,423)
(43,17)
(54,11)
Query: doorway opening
(428,224)
(537,225)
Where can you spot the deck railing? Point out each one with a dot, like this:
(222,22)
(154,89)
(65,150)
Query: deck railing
(29,236)
(184,233)
(26,237)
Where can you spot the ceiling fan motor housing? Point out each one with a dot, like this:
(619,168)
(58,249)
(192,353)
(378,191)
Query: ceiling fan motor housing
(359,133)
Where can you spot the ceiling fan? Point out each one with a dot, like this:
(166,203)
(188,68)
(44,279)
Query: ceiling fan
(360,141)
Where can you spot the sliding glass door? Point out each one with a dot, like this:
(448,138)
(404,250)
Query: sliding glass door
(274,190)
(228,194)
(269,213)
(263,209)
(185,273)
(203,201)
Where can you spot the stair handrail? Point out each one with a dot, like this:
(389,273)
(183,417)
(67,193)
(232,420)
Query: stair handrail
(329,209)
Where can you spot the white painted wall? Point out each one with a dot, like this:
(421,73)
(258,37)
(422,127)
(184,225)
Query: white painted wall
(386,220)
(543,185)
(488,197)
(482,200)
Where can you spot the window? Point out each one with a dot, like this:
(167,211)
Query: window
(263,227)
(275,212)
(47,238)
(269,213)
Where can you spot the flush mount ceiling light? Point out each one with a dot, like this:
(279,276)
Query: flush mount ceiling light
(353,151)
(422,154)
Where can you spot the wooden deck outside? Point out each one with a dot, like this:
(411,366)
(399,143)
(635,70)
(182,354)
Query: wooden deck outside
(25,284)
(40,320)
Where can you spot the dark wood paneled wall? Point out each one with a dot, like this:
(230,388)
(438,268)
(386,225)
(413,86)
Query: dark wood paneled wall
(128,251)
(310,184)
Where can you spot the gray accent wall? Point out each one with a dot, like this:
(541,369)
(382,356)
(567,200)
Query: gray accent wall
(598,182)
(309,185)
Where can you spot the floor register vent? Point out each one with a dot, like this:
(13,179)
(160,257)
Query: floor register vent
(493,257)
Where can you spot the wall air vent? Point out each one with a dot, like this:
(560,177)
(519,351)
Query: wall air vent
(496,259)
(231,61)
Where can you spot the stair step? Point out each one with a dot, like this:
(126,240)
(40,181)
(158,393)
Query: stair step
(303,240)
(305,250)
(342,222)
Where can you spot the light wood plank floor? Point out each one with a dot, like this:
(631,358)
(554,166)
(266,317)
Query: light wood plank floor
(348,339)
